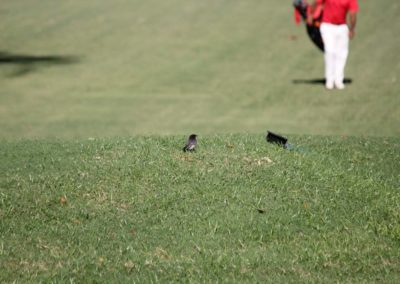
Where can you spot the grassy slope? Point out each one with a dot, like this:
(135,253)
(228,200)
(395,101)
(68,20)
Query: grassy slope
(180,66)
(138,209)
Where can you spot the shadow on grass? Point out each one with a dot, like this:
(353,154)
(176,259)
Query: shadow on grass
(318,81)
(30,63)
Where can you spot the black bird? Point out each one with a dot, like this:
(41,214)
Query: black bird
(191,143)
(277,139)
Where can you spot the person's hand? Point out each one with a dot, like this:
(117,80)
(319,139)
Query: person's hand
(351,33)
(309,20)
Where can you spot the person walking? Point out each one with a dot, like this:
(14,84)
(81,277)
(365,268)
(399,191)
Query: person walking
(337,28)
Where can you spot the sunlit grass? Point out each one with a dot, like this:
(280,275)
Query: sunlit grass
(239,209)
(175,67)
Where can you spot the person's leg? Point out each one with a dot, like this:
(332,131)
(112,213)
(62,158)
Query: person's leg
(328,36)
(342,51)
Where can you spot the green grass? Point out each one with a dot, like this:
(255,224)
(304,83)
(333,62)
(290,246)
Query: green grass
(98,97)
(140,210)
(181,66)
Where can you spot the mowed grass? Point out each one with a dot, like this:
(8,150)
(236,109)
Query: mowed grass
(174,67)
(98,97)
(237,210)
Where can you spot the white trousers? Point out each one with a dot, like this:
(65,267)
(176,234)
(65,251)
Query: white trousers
(336,43)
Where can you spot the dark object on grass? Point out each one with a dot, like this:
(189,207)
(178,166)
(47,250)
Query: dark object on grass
(277,139)
(283,141)
(191,143)
(261,211)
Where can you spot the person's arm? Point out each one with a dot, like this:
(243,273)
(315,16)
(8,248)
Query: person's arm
(312,6)
(352,24)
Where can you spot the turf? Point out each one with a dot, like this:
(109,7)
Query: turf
(79,69)
(237,210)
(98,97)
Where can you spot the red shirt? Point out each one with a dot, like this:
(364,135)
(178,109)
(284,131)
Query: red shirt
(335,11)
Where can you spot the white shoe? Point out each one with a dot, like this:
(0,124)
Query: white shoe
(340,85)
(329,85)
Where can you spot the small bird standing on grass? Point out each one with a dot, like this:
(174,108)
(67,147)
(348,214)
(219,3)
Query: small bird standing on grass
(277,139)
(191,143)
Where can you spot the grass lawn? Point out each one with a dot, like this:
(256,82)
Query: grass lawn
(97,99)
(123,68)
(237,210)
